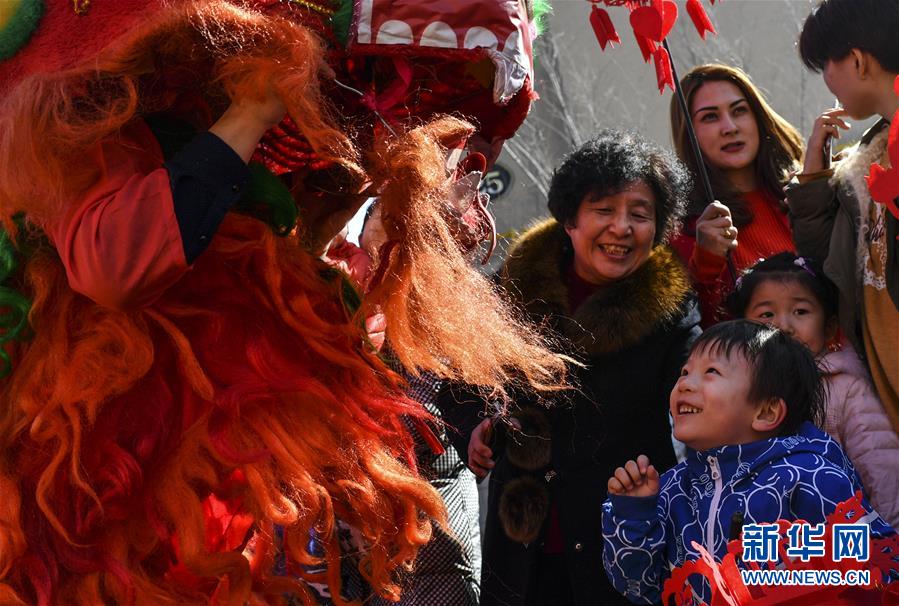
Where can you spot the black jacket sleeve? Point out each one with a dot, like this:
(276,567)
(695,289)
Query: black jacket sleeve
(207,179)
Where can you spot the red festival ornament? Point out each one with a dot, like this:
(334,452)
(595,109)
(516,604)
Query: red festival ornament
(603,28)
(651,21)
(883,183)
(699,17)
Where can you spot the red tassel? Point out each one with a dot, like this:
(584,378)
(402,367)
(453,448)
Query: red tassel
(647,46)
(663,69)
(603,27)
(700,18)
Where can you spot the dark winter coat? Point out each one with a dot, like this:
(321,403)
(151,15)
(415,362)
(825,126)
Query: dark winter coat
(633,337)
(830,218)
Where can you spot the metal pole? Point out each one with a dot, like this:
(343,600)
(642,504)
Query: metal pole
(694,143)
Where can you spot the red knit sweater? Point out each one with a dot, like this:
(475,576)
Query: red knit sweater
(767,234)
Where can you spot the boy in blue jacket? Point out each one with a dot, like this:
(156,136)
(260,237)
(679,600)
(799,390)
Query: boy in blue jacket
(746,406)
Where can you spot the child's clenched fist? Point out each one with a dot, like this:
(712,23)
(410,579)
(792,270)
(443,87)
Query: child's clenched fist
(636,479)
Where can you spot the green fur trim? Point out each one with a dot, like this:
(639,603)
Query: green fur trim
(267,198)
(14,306)
(20,27)
(541,10)
(350,297)
(341,21)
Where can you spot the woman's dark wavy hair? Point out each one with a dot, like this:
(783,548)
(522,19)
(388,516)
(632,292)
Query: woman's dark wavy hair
(781,367)
(781,147)
(835,27)
(783,267)
(611,161)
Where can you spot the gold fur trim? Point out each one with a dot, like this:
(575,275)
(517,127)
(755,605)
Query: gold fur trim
(851,173)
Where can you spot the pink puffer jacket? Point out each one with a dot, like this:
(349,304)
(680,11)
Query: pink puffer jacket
(857,420)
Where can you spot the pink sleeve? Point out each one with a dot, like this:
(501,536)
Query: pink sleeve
(352,260)
(120,244)
(872,445)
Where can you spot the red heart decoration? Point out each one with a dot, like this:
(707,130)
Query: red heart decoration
(648,22)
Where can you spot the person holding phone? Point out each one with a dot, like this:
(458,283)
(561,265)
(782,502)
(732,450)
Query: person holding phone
(834,217)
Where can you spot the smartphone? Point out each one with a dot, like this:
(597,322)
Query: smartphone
(828,142)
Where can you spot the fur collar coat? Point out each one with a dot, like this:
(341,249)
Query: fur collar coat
(535,275)
(632,338)
(830,223)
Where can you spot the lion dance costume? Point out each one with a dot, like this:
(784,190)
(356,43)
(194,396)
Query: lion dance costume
(182,375)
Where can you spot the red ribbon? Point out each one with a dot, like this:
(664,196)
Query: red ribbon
(699,17)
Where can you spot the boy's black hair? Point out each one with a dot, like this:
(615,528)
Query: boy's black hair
(611,161)
(783,267)
(781,367)
(835,27)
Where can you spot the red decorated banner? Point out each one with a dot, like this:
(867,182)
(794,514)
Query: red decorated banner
(728,588)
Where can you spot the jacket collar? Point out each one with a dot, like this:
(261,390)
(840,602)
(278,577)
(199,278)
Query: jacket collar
(737,461)
(612,318)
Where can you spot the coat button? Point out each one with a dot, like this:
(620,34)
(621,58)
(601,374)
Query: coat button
(203,239)
(579,547)
(235,188)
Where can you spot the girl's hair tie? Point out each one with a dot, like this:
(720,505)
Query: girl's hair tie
(801,262)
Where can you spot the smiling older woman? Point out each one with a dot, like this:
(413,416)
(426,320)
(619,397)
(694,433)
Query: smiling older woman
(601,275)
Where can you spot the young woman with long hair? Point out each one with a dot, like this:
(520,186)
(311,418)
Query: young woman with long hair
(749,152)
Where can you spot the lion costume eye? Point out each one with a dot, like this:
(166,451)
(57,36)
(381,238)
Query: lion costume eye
(18,20)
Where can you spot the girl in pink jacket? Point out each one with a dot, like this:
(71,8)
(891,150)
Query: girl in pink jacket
(793,294)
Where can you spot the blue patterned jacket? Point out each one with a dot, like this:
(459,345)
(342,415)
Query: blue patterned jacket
(797,477)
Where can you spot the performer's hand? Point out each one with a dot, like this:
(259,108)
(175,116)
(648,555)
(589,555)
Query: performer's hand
(246,120)
(636,479)
(827,125)
(715,231)
(479,454)
(324,215)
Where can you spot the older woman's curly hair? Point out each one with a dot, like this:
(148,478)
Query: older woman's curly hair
(610,162)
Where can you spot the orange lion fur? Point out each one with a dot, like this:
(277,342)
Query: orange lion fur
(443,315)
(194,53)
(109,484)
(118,427)
(246,383)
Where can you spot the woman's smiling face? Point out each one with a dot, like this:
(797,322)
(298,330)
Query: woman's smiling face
(613,236)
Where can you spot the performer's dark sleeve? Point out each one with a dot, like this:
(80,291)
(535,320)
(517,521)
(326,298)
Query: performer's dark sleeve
(207,179)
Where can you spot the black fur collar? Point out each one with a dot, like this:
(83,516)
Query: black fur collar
(610,319)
